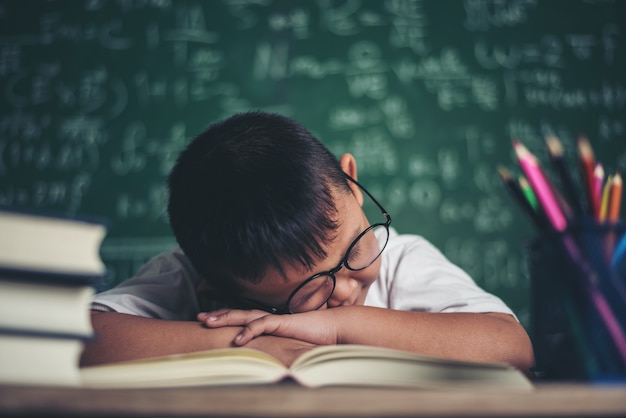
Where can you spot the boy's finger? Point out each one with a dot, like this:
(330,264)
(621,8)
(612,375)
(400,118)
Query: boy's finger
(232,317)
(202,316)
(251,331)
(244,337)
(268,324)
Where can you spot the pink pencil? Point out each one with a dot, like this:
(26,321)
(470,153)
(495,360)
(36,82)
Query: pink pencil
(598,186)
(542,189)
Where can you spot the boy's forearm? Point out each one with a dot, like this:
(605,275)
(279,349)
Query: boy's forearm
(121,337)
(464,336)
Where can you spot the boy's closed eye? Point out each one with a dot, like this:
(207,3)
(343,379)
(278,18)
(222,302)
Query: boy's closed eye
(355,255)
(311,295)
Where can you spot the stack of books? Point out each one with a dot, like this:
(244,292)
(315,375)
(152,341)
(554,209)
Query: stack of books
(48,265)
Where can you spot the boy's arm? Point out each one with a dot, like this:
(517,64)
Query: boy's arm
(122,337)
(465,336)
(493,337)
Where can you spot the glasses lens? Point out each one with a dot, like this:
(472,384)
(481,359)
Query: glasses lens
(366,250)
(312,295)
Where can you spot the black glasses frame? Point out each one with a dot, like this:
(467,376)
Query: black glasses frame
(344,261)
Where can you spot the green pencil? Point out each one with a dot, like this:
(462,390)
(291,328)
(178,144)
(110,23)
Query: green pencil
(528,192)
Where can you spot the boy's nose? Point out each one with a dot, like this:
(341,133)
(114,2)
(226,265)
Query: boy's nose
(345,293)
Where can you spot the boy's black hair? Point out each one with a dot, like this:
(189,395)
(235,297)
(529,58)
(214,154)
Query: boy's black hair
(253,192)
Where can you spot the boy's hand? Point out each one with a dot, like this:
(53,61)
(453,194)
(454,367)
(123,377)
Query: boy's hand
(317,327)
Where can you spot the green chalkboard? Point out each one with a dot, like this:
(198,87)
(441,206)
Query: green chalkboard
(98,97)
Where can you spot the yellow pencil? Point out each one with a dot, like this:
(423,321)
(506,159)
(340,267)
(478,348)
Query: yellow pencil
(604,203)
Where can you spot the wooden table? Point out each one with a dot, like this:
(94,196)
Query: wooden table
(290,400)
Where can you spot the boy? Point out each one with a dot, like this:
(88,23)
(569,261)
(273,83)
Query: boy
(276,253)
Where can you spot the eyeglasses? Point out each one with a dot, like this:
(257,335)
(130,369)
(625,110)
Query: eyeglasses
(315,291)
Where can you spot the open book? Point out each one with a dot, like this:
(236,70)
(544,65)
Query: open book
(345,365)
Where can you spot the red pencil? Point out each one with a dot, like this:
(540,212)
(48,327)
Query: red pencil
(587,161)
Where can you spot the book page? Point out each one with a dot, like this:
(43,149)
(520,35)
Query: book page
(326,353)
(374,366)
(212,367)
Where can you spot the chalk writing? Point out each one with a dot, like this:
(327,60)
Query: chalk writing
(99,97)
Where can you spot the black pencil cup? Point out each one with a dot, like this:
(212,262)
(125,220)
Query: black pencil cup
(578,304)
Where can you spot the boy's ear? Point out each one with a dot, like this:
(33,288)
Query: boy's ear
(348,165)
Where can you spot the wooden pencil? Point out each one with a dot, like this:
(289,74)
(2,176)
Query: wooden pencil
(555,151)
(540,186)
(598,184)
(522,198)
(587,163)
(604,203)
(616,198)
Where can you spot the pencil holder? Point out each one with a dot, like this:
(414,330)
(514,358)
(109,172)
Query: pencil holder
(578,303)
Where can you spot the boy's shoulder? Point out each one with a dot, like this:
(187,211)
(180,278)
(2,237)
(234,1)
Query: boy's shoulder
(408,243)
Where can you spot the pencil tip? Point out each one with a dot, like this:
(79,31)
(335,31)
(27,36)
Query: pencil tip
(523,182)
(520,149)
(504,173)
(599,170)
(554,145)
(584,147)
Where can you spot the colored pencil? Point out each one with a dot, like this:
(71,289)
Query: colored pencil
(528,192)
(520,197)
(616,198)
(555,151)
(542,189)
(604,203)
(587,163)
(598,184)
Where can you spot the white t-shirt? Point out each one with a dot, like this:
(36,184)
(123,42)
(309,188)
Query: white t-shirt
(414,276)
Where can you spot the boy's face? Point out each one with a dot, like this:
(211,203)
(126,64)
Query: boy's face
(351,287)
